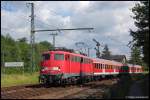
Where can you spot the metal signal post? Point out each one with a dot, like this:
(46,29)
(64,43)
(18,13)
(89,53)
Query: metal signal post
(32,37)
(53,38)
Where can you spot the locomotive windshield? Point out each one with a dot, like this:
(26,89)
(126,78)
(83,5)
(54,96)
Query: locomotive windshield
(45,56)
(59,57)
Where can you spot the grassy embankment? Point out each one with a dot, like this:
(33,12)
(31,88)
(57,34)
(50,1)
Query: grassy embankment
(19,79)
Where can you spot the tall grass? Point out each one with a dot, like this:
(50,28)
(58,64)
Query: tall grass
(19,79)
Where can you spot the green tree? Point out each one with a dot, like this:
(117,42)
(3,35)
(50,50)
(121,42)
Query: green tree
(24,39)
(141,35)
(135,56)
(20,50)
(106,53)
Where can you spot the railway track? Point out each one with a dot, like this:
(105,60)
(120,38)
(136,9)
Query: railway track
(39,91)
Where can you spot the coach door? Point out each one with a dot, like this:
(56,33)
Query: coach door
(67,66)
(81,67)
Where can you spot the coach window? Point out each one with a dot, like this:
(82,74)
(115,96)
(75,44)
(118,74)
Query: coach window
(79,59)
(76,59)
(83,60)
(59,57)
(71,58)
(97,66)
(86,60)
(100,66)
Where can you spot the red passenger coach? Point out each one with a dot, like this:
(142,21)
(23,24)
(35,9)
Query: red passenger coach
(104,67)
(135,68)
(64,66)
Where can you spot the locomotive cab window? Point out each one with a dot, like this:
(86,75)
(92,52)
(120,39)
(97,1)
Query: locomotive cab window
(59,57)
(45,56)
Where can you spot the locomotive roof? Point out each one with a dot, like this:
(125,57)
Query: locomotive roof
(65,52)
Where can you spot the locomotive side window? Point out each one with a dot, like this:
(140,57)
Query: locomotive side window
(78,59)
(46,56)
(59,57)
(72,58)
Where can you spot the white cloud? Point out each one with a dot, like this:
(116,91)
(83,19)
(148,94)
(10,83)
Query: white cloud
(109,19)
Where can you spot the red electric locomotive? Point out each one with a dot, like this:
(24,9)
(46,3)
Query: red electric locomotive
(61,66)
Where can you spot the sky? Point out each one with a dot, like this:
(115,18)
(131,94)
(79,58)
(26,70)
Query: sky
(111,21)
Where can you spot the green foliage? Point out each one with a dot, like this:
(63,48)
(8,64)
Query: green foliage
(13,51)
(135,56)
(141,35)
(106,53)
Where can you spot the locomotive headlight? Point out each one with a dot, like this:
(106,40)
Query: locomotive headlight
(55,68)
(44,68)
